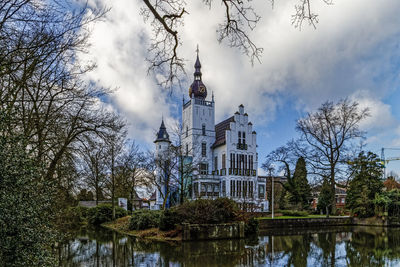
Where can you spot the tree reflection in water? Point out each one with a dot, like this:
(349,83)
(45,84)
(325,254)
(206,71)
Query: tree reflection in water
(350,246)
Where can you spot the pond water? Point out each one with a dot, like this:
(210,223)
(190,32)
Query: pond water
(344,246)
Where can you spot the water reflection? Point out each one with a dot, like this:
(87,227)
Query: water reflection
(350,246)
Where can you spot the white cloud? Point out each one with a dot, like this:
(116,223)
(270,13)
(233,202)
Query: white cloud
(347,55)
(380,113)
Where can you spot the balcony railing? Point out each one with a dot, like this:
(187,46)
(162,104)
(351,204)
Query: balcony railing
(242,172)
(241,146)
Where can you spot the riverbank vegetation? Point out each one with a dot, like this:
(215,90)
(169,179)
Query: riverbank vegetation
(167,224)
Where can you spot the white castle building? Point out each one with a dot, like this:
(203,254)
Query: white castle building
(224,155)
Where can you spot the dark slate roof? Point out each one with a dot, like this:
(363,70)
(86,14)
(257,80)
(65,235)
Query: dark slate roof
(220,129)
(162,134)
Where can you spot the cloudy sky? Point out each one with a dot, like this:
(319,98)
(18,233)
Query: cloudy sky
(354,53)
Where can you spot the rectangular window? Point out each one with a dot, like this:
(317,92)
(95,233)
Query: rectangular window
(223,161)
(244,138)
(187,149)
(245,189)
(261,191)
(238,188)
(209,188)
(231,161)
(245,162)
(203,187)
(223,188)
(187,131)
(203,129)
(239,137)
(203,149)
(215,163)
(203,168)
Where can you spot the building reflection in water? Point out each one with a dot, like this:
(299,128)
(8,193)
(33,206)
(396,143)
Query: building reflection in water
(351,246)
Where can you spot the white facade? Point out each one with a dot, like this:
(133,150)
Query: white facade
(224,156)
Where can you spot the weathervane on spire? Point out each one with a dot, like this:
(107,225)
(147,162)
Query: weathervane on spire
(197,50)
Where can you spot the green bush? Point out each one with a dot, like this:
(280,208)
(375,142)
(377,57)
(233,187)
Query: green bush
(103,213)
(251,227)
(293,213)
(205,211)
(75,216)
(169,218)
(144,219)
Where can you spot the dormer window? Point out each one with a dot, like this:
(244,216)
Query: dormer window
(203,129)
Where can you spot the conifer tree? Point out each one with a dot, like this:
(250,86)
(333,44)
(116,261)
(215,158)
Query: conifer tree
(302,188)
(364,185)
(324,198)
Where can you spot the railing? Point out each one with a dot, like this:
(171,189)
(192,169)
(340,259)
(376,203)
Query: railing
(222,172)
(203,102)
(241,146)
(242,172)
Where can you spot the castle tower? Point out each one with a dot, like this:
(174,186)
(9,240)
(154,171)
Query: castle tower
(162,144)
(198,123)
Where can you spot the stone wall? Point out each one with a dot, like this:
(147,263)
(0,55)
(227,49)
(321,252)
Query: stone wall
(303,222)
(193,232)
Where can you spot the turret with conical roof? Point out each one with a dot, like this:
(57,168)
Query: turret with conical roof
(162,135)
(197,89)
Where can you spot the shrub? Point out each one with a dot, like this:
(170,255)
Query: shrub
(293,213)
(103,213)
(220,210)
(168,219)
(251,227)
(144,219)
(75,216)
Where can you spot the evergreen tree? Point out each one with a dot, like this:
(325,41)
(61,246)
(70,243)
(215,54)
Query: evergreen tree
(25,207)
(325,196)
(302,188)
(366,182)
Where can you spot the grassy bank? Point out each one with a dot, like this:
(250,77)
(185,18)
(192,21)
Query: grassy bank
(297,217)
(121,225)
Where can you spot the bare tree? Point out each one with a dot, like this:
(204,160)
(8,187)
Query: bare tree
(114,144)
(327,136)
(159,172)
(40,80)
(92,165)
(131,172)
(240,18)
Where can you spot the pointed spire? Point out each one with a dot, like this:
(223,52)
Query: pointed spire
(197,66)
(162,134)
(197,89)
